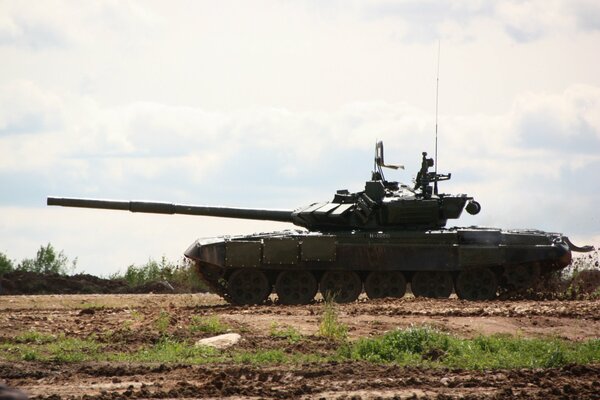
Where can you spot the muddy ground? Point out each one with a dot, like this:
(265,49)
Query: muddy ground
(134,318)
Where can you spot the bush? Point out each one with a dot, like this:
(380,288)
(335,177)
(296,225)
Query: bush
(48,261)
(329,326)
(400,344)
(6,264)
(181,275)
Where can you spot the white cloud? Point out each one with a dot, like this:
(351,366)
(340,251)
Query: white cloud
(522,21)
(25,109)
(587,13)
(560,122)
(60,24)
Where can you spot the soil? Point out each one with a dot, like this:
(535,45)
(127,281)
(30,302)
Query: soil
(25,282)
(131,319)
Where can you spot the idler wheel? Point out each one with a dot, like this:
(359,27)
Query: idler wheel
(433,284)
(381,284)
(296,287)
(341,286)
(476,284)
(521,276)
(248,286)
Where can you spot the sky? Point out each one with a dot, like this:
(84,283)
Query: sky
(278,104)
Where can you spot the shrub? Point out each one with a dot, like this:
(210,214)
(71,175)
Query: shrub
(6,264)
(330,327)
(181,275)
(47,260)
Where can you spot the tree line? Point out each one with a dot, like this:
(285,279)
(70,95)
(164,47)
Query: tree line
(46,260)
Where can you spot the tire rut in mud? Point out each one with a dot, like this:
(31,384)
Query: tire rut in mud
(330,380)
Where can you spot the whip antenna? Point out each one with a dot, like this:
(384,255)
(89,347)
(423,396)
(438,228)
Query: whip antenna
(437,86)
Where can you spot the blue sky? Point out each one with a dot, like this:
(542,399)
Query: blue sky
(277,104)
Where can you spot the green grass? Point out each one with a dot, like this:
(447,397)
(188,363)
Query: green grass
(211,324)
(170,351)
(36,337)
(173,351)
(181,274)
(162,323)
(289,332)
(429,347)
(329,326)
(415,346)
(92,306)
(33,346)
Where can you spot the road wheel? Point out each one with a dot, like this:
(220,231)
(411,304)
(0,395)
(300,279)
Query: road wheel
(433,284)
(341,286)
(248,286)
(476,284)
(296,287)
(381,284)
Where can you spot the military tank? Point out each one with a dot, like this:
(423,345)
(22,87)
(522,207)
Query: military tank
(380,240)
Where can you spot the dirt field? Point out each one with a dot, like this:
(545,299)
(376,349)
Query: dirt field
(134,318)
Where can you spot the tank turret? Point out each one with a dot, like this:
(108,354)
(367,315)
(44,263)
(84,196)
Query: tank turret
(387,205)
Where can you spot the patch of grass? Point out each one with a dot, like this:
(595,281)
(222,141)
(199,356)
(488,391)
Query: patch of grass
(35,337)
(168,350)
(74,350)
(429,347)
(136,315)
(211,324)
(329,325)
(91,306)
(30,355)
(289,332)
(59,349)
(174,351)
(162,323)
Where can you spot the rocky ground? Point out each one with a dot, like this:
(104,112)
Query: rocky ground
(131,321)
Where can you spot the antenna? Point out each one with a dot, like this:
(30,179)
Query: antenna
(437,86)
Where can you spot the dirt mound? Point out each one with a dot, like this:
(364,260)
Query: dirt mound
(23,282)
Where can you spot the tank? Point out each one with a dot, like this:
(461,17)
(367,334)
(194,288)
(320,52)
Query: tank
(380,240)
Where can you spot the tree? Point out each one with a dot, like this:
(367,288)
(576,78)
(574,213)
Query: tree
(48,261)
(6,264)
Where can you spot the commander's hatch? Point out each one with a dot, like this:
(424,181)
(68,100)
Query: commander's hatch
(377,175)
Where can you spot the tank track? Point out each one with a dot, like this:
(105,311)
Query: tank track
(215,280)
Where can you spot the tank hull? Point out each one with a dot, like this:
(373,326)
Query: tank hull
(476,263)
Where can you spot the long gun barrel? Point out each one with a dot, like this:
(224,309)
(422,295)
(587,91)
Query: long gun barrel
(170,208)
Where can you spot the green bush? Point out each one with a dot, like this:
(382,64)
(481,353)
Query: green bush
(6,264)
(47,260)
(182,275)
(400,345)
(329,325)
